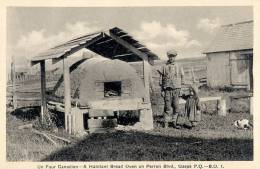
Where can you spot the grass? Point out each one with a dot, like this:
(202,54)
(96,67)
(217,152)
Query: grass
(214,139)
(23,144)
(213,126)
(139,146)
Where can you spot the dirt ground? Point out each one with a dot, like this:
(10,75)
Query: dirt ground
(214,139)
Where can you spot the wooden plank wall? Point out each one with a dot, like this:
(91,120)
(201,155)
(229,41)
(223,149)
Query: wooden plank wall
(218,71)
(228,69)
(28,89)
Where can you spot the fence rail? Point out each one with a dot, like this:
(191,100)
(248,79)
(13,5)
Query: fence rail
(28,85)
(26,91)
(23,78)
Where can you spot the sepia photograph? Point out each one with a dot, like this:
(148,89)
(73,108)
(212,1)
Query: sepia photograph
(148,83)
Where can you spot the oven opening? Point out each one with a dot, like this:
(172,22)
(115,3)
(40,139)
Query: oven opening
(112,89)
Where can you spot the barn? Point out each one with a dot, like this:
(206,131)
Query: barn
(230,57)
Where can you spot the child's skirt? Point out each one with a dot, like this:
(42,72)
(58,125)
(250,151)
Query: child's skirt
(192,109)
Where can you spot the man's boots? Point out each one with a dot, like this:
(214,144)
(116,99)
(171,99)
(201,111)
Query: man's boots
(174,125)
(166,125)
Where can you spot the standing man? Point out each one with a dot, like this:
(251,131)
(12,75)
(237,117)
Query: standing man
(172,79)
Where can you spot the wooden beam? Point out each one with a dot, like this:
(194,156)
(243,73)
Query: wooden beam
(101,113)
(67,96)
(46,136)
(115,49)
(126,54)
(203,99)
(34,63)
(110,39)
(74,50)
(116,104)
(29,99)
(142,47)
(121,36)
(60,138)
(146,115)
(222,108)
(193,75)
(72,68)
(121,31)
(146,74)
(104,41)
(128,46)
(46,56)
(43,90)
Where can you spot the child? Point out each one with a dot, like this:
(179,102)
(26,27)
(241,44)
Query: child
(192,108)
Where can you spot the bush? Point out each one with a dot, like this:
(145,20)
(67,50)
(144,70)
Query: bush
(47,122)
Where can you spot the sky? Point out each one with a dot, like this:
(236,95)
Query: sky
(189,30)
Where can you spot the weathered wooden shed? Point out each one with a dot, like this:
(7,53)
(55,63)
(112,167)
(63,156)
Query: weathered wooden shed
(109,84)
(230,56)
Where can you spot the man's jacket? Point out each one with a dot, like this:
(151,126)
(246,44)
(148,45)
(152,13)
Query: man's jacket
(171,76)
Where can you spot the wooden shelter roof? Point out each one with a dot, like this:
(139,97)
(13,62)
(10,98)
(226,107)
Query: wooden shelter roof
(115,44)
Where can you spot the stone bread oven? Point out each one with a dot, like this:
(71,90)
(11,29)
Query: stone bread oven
(102,87)
(111,85)
(107,85)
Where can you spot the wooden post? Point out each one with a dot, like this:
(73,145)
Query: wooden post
(251,80)
(67,97)
(14,84)
(193,75)
(251,105)
(222,110)
(43,90)
(146,115)
(146,74)
(78,120)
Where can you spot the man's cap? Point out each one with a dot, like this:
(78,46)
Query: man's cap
(172,53)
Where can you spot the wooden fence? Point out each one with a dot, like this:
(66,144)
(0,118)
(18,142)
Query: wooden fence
(26,91)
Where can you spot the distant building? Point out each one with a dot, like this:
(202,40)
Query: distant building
(230,56)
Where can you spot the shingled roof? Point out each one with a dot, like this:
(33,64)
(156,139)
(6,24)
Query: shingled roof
(232,37)
(115,44)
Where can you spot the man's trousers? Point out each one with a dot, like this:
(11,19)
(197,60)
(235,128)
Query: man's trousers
(171,107)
